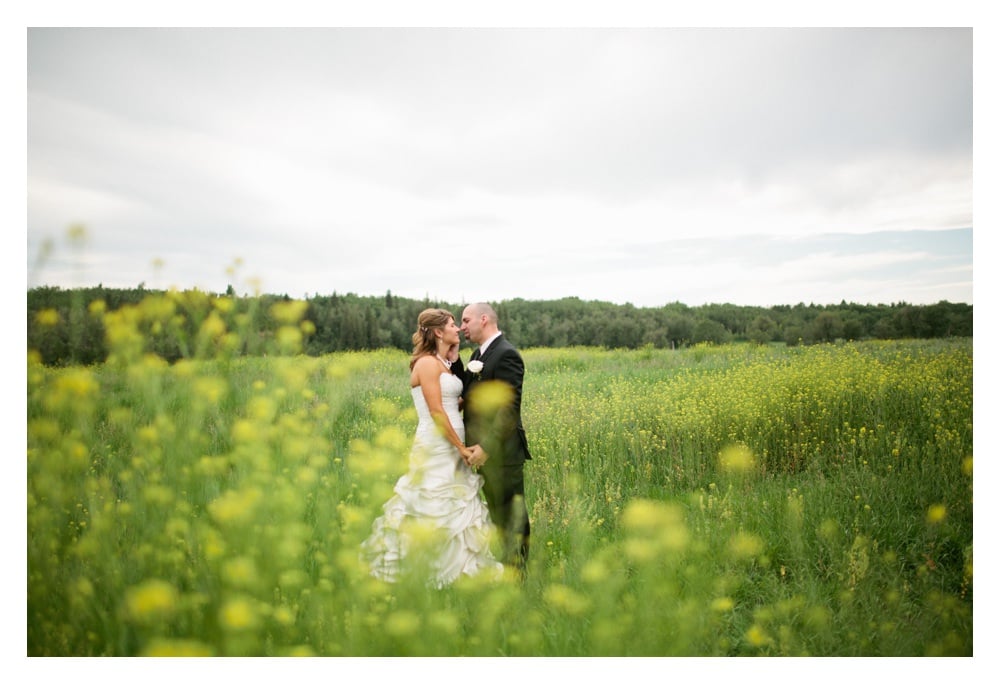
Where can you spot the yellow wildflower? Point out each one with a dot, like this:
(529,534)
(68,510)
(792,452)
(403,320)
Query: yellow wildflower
(936,514)
(736,458)
(47,317)
(150,601)
(177,648)
(239,614)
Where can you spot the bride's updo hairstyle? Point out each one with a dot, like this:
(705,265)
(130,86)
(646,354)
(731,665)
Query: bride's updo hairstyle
(424,341)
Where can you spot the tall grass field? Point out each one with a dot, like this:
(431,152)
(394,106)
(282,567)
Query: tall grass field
(712,501)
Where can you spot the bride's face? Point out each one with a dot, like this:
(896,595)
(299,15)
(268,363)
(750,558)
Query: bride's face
(449,334)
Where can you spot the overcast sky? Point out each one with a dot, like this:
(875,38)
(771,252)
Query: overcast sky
(750,166)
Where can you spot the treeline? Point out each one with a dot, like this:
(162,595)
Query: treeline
(69,326)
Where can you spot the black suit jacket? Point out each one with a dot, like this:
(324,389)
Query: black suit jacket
(501,362)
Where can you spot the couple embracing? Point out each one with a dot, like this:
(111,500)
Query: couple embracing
(469,439)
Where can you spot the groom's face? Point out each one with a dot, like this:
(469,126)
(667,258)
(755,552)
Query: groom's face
(472,325)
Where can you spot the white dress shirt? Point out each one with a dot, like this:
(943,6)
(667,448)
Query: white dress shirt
(485,344)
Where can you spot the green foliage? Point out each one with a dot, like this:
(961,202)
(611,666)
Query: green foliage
(63,328)
(717,500)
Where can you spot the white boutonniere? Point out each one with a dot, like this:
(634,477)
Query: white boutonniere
(476,367)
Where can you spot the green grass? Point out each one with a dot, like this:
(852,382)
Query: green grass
(714,501)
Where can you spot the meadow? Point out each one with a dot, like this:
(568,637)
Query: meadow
(731,500)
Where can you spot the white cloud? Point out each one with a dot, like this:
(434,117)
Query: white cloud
(366,160)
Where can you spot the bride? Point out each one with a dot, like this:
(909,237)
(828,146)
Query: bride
(439,492)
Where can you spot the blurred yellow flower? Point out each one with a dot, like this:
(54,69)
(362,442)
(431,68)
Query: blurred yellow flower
(84,587)
(402,623)
(239,614)
(245,432)
(158,495)
(47,318)
(212,389)
(491,396)
(262,408)
(393,438)
(647,516)
(240,571)
(383,409)
(736,458)
(289,339)
(77,233)
(293,579)
(565,599)
(757,637)
(289,312)
(595,571)
(235,505)
(177,648)
(284,616)
(444,621)
(351,516)
(151,600)
(829,530)
(77,383)
(745,545)
(306,476)
(936,514)
(723,604)
(213,326)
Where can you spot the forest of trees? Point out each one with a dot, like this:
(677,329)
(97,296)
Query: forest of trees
(64,326)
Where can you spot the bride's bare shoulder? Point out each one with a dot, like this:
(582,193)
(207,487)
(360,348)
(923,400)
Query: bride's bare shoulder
(423,368)
(426,361)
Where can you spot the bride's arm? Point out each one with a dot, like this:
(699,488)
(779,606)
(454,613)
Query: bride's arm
(428,374)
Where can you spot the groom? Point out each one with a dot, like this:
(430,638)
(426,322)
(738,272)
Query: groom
(492,401)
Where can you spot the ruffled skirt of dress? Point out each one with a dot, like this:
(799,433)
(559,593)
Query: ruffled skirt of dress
(436,508)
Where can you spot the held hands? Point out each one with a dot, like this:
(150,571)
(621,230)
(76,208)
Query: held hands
(474,456)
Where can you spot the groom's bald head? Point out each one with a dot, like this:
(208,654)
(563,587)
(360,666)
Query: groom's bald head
(484,309)
(479,322)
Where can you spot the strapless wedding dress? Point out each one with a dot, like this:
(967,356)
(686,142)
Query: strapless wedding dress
(441,491)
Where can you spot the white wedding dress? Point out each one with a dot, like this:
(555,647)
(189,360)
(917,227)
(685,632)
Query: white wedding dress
(441,492)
